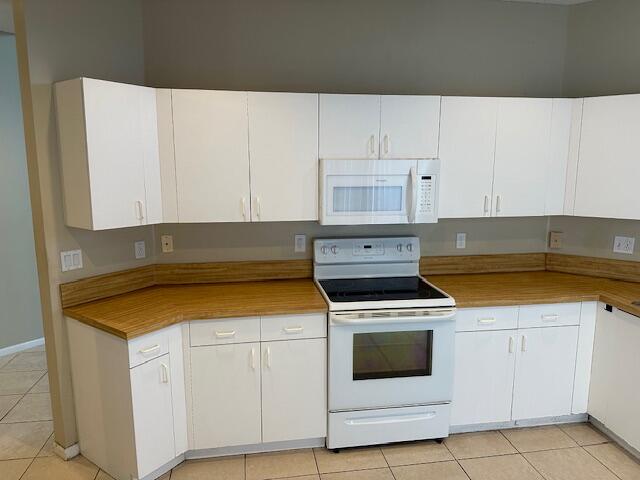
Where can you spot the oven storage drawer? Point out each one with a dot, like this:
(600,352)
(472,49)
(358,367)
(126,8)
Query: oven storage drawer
(222,332)
(373,427)
(294,327)
(494,318)
(551,315)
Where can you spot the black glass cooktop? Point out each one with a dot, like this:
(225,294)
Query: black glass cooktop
(377,289)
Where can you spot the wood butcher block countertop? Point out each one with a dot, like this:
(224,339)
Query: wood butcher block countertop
(143,311)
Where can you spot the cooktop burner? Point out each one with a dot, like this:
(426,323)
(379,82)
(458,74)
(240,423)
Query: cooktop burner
(378,289)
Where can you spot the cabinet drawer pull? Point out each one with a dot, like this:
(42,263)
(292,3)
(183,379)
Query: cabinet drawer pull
(229,334)
(498,204)
(550,318)
(293,329)
(164,373)
(511,344)
(146,351)
(387,144)
(486,204)
(268,357)
(139,210)
(372,147)
(486,321)
(523,345)
(253,359)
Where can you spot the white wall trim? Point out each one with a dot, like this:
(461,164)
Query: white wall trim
(66,453)
(21,346)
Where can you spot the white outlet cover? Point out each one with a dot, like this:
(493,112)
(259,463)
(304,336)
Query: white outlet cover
(300,243)
(140,249)
(71,260)
(624,245)
(461,240)
(167,243)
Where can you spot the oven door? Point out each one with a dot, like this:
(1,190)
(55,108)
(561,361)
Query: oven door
(377,362)
(367,191)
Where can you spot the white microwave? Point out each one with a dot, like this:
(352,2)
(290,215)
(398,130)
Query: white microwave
(357,192)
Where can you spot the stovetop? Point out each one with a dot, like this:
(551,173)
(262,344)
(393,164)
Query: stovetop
(379,289)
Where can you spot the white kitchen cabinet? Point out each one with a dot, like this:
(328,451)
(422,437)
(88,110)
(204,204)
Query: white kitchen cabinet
(283,148)
(211,141)
(226,395)
(349,126)
(467,150)
(615,393)
(108,141)
(609,162)
(483,381)
(409,126)
(563,122)
(521,157)
(152,414)
(545,368)
(294,395)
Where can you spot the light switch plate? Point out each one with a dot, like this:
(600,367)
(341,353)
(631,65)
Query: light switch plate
(71,260)
(167,243)
(140,249)
(461,240)
(624,245)
(300,244)
(555,240)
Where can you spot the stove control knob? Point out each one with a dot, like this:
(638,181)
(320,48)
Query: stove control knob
(409,247)
(399,247)
(324,249)
(334,249)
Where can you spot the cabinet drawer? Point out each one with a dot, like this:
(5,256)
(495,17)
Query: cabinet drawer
(494,318)
(147,347)
(221,332)
(291,327)
(551,315)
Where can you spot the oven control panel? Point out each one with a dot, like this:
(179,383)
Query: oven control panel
(366,250)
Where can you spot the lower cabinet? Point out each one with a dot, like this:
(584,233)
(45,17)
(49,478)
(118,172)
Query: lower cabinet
(509,374)
(226,395)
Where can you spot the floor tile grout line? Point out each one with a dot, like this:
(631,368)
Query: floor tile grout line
(315,459)
(601,463)
(455,459)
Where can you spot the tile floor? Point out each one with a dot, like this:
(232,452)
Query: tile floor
(568,452)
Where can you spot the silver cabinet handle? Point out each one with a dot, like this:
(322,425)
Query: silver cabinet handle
(498,204)
(139,210)
(229,334)
(164,373)
(550,318)
(511,344)
(387,144)
(486,204)
(372,147)
(268,355)
(252,358)
(523,346)
(293,329)
(146,351)
(486,321)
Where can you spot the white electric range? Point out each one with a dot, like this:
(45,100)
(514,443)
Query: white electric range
(391,342)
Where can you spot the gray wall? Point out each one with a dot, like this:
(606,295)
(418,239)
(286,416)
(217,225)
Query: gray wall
(465,47)
(603,53)
(20,315)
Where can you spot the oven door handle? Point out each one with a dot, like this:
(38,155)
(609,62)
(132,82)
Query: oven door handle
(391,419)
(373,319)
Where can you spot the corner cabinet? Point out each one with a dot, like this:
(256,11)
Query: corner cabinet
(521,363)
(130,400)
(258,380)
(109,151)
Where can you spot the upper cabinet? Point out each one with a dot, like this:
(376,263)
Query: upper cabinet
(211,135)
(283,151)
(607,174)
(109,154)
(375,126)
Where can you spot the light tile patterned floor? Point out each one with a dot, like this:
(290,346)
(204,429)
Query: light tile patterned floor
(568,452)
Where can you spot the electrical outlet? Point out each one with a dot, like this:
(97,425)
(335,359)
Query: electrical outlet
(461,240)
(300,244)
(71,260)
(624,245)
(167,243)
(140,249)
(555,239)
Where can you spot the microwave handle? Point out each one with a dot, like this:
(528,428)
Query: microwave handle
(411,218)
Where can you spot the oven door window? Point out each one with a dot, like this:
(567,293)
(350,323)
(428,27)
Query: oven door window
(392,354)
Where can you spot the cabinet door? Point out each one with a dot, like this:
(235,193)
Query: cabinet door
(349,126)
(562,117)
(607,182)
(409,126)
(545,368)
(483,379)
(467,150)
(283,147)
(152,414)
(226,395)
(294,396)
(211,134)
(522,152)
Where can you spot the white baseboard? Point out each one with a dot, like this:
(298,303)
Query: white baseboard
(634,452)
(66,453)
(21,346)
(255,448)
(533,422)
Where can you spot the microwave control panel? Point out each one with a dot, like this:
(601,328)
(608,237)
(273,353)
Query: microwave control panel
(426,210)
(426,192)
